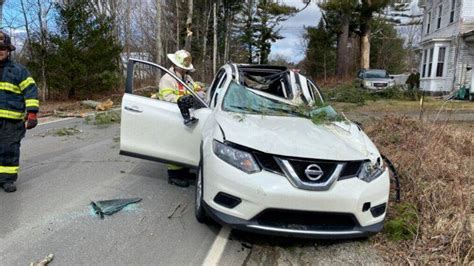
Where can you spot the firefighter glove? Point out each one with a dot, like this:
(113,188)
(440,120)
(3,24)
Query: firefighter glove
(31,120)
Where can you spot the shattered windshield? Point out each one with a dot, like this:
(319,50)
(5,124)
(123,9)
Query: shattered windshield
(376,74)
(240,99)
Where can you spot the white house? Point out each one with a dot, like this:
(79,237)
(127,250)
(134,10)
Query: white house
(447,45)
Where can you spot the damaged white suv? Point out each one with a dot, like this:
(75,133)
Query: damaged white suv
(271,156)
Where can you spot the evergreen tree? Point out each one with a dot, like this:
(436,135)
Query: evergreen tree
(258,25)
(269,15)
(321,51)
(85,56)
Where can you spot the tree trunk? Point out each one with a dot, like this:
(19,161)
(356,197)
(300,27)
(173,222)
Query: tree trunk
(178,45)
(158,41)
(127,28)
(41,15)
(365,46)
(325,67)
(27,28)
(1,12)
(189,22)
(204,47)
(342,58)
(214,53)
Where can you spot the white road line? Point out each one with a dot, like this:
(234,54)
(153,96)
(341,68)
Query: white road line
(214,255)
(54,121)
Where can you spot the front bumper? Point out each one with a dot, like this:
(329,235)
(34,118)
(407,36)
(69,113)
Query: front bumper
(265,190)
(255,227)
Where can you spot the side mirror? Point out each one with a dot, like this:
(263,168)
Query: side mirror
(185,103)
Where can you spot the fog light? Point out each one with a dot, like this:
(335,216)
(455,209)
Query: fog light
(378,210)
(366,206)
(227,200)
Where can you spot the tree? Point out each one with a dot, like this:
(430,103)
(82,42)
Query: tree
(321,53)
(338,16)
(387,47)
(269,15)
(85,51)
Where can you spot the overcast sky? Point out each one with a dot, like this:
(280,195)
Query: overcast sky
(292,47)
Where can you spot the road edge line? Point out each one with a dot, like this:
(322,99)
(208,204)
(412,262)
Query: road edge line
(217,249)
(54,121)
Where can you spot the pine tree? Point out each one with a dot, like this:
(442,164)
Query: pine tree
(269,15)
(321,53)
(85,52)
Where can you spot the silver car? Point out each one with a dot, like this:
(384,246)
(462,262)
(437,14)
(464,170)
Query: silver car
(374,79)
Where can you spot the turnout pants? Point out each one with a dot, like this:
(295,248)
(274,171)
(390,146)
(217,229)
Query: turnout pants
(11,133)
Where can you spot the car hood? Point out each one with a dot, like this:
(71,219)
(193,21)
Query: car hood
(297,137)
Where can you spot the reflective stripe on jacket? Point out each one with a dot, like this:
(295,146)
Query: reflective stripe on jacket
(171,90)
(18,92)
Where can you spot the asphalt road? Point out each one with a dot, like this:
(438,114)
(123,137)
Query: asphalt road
(61,175)
(50,212)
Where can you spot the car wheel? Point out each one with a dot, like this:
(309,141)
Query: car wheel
(199,210)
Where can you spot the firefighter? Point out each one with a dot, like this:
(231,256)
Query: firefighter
(172,91)
(18,107)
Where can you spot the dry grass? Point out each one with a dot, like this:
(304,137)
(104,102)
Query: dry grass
(435,163)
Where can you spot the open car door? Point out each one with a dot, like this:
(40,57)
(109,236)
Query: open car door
(154,129)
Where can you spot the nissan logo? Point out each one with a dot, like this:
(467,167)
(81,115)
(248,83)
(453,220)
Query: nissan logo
(313,172)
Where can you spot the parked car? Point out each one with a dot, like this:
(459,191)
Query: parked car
(261,165)
(374,79)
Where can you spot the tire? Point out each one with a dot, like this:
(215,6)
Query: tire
(199,210)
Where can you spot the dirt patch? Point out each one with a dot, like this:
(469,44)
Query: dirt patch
(434,160)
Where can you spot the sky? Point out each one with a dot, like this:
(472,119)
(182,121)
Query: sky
(292,47)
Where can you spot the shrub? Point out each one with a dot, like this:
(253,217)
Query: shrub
(348,93)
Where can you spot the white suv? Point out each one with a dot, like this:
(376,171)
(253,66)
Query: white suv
(263,164)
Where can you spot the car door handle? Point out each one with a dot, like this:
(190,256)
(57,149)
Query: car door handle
(134,108)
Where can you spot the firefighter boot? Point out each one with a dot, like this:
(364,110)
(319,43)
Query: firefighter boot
(178,178)
(9,187)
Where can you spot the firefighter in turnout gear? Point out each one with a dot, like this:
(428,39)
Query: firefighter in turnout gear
(18,107)
(172,91)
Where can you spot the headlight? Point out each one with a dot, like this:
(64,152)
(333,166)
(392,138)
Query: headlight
(391,83)
(237,158)
(371,171)
(367,83)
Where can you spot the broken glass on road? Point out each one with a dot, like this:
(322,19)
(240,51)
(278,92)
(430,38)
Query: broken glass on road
(109,207)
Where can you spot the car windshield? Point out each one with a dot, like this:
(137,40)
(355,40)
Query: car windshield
(240,99)
(376,74)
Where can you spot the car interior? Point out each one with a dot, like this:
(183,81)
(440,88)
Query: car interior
(270,79)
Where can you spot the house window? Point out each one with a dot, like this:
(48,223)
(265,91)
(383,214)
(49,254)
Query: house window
(423,72)
(430,62)
(451,15)
(440,67)
(428,24)
(440,9)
